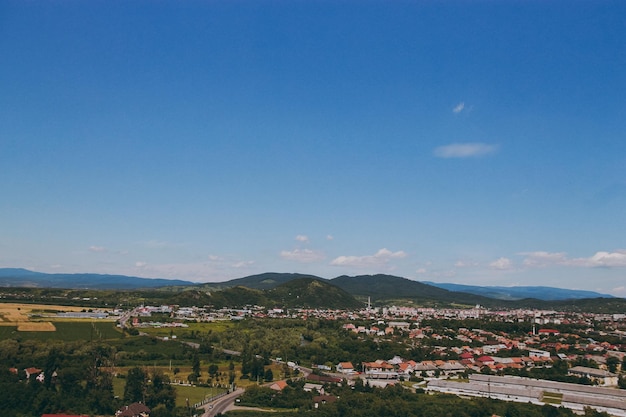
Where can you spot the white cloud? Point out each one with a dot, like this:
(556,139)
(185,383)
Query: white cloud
(458,108)
(97,249)
(464,150)
(421,271)
(242,264)
(382,257)
(465,264)
(501,264)
(599,259)
(619,291)
(204,271)
(542,259)
(603,259)
(302,238)
(330,237)
(302,255)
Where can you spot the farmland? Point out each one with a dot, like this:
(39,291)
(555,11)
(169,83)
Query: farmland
(39,322)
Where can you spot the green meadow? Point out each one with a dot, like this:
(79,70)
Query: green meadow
(68,331)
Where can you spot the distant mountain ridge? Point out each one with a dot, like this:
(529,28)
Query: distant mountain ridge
(19,277)
(521,292)
(379,288)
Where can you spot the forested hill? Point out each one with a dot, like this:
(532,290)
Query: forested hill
(265,281)
(388,287)
(311,292)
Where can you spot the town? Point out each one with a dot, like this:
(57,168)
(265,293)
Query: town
(564,359)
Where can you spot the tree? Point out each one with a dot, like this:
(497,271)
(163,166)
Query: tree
(195,364)
(135,389)
(213,368)
(269,375)
(612,363)
(160,392)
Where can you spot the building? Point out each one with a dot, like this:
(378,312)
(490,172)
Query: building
(345,368)
(600,376)
(133,410)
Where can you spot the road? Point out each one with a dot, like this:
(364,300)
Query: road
(221,404)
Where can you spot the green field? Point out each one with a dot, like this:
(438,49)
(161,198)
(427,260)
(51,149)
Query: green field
(183,392)
(8,332)
(67,331)
(186,332)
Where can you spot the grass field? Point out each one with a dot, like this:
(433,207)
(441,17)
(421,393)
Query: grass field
(183,392)
(67,330)
(185,332)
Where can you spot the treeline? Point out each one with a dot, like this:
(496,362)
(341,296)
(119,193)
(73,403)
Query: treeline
(77,377)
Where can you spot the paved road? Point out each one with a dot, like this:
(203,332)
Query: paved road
(221,404)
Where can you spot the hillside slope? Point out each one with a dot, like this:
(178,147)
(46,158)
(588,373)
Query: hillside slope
(388,287)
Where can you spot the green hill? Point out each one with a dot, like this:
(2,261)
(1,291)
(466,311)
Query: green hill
(382,288)
(263,281)
(312,293)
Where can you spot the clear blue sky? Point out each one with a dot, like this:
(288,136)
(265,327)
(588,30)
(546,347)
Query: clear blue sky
(479,142)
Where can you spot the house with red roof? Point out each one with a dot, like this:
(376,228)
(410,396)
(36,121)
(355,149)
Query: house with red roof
(486,360)
(549,332)
(345,368)
(279,385)
(32,371)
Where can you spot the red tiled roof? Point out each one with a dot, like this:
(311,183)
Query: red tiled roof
(279,385)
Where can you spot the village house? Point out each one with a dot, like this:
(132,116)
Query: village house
(345,368)
(379,370)
(133,410)
(279,385)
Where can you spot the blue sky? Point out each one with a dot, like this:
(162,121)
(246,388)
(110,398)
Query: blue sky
(480,143)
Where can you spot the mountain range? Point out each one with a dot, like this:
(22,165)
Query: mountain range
(376,287)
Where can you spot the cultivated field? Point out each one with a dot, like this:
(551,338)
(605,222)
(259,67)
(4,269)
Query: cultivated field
(23,316)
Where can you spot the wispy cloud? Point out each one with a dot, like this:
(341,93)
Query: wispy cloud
(97,249)
(465,150)
(380,258)
(465,264)
(302,255)
(330,237)
(302,238)
(458,108)
(603,259)
(542,259)
(215,269)
(242,264)
(501,264)
(607,259)
(619,291)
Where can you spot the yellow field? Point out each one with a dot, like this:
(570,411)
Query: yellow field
(14,314)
